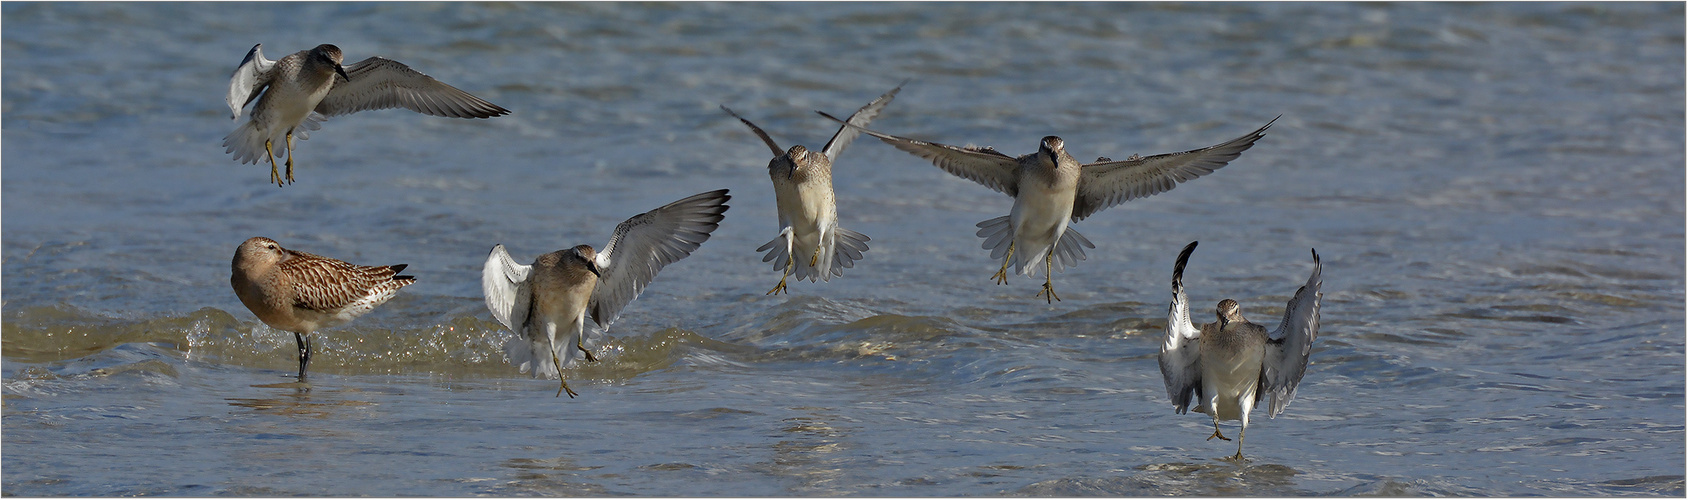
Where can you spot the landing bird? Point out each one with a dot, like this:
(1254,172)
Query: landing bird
(305,88)
(1051,189)
(1229,365)
(301,293)
(552,296)
(807,208)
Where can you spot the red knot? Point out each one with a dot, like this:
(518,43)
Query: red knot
(1051,189)
(304,88)
(552,297)
(808,210)
(1229,365)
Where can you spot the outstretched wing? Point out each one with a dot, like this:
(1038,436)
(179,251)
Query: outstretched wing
(847,134)
(978,164)
(379,83)
(248,79)
(1107,183)
(645,243)
(505,284)
(1180,354)
(1289,345)
(772,146)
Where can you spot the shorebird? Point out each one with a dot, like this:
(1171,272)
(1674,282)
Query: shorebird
(1227,366)
(1051,189)
(301,90)
(808,210)
(301,293)
(552,297)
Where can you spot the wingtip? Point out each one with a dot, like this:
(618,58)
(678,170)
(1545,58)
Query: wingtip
(1178,267)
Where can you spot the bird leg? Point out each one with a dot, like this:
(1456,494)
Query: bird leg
(565,383)
(781,287)
(289,157)
(1216,434)
(1240,433)
(274,175)
(304,352)
(1048,281)
(789,262)
(1001,275)
(578,345)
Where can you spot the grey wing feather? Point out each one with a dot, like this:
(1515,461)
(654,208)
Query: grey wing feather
(645,243)
(1289,345)
(379,83)
(772,146)
(847,134)
(505,284)
(248,79)
(978,164)
(1108,183)
(1180,356)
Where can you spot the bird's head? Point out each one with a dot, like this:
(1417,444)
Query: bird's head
(589,258)
(332,55)
(799,156)
(1229,312)
(1052,148)
(257,253)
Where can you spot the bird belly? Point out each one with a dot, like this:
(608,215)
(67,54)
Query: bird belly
(1039,218)
(1230,387)
(279,119)
(809,208)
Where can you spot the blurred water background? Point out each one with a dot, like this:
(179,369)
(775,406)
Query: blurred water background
(1497,191)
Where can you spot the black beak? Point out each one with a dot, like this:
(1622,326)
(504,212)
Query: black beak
(342,72)
(593,267)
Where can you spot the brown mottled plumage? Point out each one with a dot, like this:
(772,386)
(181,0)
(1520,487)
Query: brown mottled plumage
(302,293)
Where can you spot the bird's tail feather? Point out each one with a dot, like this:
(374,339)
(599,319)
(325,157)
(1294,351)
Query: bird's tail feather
(246,142)
(533,357)
(847,248)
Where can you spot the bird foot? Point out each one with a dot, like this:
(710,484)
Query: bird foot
(778,288)
(565,388)
(589,356)
(275,175)
(1001,275)
(1048,293)
(1216,434)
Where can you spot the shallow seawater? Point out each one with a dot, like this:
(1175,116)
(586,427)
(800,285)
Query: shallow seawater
(1496,191)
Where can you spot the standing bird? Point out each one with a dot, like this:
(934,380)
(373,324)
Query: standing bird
(1229,365)
(302,293)
(301,90)
(551,297)
(807,208)
(1051,189)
